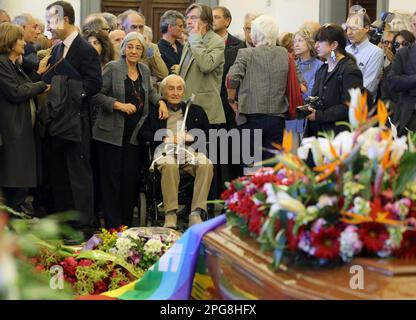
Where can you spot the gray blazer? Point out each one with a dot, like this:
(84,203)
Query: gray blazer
(260,73)
(109,126)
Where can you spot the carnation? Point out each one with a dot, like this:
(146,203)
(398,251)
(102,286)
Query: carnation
(153,246)
(350,243)
(123,246)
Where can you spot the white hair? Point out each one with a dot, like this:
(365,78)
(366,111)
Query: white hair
(148,32)
(251,16)
(163,83)
(22,19)
(264,31)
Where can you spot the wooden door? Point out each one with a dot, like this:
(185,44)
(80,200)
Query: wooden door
(369,5)
(152,10)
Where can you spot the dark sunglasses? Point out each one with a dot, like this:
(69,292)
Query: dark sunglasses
(397,45)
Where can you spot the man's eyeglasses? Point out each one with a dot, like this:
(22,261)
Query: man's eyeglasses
(135,26)
(353,29)
(192,18)
(386,42)
(397,44)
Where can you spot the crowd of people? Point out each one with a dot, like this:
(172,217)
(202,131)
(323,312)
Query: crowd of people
(79,110)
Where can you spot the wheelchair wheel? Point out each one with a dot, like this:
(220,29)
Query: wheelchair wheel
(142,210)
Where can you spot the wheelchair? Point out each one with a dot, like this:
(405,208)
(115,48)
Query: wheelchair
(151,210)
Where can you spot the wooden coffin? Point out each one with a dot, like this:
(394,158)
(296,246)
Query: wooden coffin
(236,269)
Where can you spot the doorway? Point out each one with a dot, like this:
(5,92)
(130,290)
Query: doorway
(152,10)
(369,5)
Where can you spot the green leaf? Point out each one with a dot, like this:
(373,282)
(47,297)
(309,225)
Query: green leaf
(345,123)
(239,185)
(365,180)
(260,196)
(98,255)
(279,250)
(407,171)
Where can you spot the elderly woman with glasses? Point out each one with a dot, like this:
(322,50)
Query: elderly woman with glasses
(123,105)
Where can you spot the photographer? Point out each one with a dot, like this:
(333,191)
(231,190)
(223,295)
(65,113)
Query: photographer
(332,82)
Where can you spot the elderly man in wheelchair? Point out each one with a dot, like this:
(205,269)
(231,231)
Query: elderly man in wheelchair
(186,127)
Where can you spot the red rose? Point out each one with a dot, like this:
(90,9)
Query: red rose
(255,223)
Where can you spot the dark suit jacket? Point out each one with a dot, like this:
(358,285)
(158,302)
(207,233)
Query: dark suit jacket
(84,58)
(17,154)
(30,59)
(333,91)
(402,79)
(197,119)
(230,53)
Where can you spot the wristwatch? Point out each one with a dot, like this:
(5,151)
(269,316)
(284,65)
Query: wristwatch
(231,100)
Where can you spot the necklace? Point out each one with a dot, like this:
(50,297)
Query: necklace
(136,94)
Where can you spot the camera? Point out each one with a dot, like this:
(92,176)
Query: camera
(313,102)
(378,27)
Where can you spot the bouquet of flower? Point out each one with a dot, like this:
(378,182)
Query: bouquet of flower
(109,260)
(359,198)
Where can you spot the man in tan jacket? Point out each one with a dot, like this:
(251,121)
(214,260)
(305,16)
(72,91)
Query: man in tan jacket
(202,63)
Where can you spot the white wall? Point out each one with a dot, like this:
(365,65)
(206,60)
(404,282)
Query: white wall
(35,7)
(406,5)
(290,14)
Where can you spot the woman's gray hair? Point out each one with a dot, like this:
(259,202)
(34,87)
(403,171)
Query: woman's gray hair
(130,37)
(148,32)
(264,31)
(162,85)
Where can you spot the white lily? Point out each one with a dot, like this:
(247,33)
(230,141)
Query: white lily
(311,143)
(342,144)
(398,148)
(280,200)
(373,147)
(355,94)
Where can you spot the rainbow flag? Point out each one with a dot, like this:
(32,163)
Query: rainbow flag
(172,276)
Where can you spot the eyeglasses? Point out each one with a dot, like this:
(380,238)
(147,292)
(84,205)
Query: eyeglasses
(353,29)
(135,26)
(192,18)
(386,42)
(106,29)
(397,44)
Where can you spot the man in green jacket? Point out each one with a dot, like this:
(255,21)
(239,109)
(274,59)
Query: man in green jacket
(202,63)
